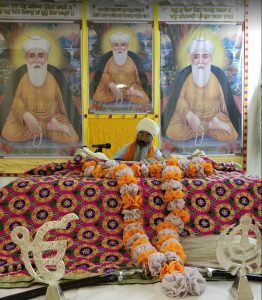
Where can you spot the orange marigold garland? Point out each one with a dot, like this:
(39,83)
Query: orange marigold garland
(167,258)
(169,263)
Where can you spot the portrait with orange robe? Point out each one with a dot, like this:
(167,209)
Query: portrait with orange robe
(120,81)
(201,110)
(38,113)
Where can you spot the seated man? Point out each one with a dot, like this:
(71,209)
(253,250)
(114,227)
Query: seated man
(201,101)
(142,147)
(38,102)
(120,75)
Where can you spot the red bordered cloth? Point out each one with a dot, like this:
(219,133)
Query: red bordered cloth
(49,192)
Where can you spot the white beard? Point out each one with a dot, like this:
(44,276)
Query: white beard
(201,76)
(37,76)
(120,58)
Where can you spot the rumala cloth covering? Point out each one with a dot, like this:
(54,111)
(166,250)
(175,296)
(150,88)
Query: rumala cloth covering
(49,192)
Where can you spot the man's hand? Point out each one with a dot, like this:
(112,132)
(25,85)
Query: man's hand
(217,124)
(54,125)
(194,122)
(134,92)
(31,123)
(115,90)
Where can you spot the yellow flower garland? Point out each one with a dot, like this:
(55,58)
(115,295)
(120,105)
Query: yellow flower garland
(167,257)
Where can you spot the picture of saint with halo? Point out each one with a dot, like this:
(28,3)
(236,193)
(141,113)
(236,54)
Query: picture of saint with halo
(38,109)
(121,76)
(201,110)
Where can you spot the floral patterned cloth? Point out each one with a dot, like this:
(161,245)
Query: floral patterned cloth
(95,240)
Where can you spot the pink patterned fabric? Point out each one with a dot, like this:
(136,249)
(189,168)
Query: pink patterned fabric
(49,192)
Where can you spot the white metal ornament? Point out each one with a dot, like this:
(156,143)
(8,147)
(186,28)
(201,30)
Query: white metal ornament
(235,253)
(20,236)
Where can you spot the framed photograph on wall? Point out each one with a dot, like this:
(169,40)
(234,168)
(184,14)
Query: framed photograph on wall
(201,71)
(120,60)
(40,86)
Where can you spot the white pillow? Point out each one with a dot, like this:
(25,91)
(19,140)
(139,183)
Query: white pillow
(84,151)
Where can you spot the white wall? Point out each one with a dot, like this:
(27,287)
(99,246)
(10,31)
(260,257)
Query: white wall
(254,89)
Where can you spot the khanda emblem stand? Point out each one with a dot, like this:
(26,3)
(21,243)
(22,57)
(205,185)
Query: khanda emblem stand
(20,236)
(240,256)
